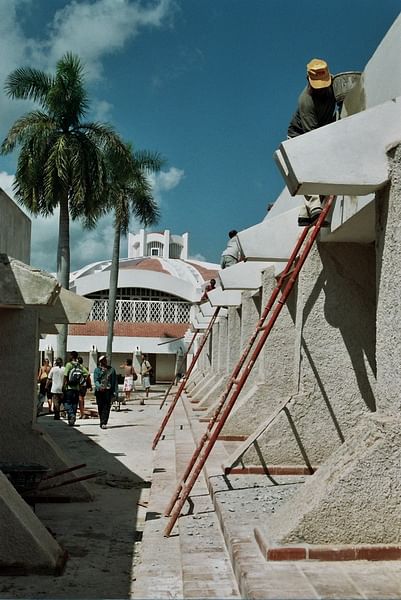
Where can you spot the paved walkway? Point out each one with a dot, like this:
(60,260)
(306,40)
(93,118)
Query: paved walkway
(116,543)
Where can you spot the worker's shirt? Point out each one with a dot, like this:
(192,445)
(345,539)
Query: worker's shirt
(232,249)
(314,110)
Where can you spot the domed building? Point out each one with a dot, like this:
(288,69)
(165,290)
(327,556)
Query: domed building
(157,285)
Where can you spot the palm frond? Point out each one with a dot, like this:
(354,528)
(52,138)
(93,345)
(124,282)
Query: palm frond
(27,83)
(34,124)
(67,99)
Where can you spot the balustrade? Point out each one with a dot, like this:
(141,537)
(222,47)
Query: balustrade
(142,311)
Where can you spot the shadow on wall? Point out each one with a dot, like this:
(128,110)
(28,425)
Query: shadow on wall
(350,306)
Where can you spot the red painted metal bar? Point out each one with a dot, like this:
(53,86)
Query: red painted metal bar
(211,437)
(185,379)
(238,368)
(182,363)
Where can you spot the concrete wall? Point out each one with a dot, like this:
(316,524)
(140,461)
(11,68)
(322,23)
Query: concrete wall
(388,292)
(15,230)
(335,361)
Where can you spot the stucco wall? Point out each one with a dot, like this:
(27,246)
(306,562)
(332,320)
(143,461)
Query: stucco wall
(336,372)
(15,230)
(388,292)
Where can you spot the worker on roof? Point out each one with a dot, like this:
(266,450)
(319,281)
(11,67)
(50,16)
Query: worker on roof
(316,107)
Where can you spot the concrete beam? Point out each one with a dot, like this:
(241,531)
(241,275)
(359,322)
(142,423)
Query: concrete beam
(207,310)
(22,285)
(244,275)
(346,157)
(224,297)
(68,308)
(273,239)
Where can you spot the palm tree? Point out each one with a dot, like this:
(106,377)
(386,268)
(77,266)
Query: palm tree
(61,160)
(130,192)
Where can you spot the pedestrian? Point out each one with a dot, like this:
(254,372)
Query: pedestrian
(210,286)
(83,388)
(55,383)
(129,377)
(44,393)
(146,369)
(316,107)
(106,389)
(74,376)
(232,254)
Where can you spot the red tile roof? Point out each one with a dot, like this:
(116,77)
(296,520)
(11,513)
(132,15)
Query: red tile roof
(206,273)
(147,264)
(95,328)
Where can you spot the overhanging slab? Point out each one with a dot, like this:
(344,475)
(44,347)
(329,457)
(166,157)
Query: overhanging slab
(22,285)
(244,275)
(348,157)
(69,308)
(224,297)
(272,239)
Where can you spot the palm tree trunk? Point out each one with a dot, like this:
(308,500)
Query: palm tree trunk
(113,290)
(63,266)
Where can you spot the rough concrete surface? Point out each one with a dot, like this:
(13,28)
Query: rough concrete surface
(116,544)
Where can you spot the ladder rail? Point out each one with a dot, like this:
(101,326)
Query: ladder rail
(182,363)
(237,368)
(185,379)
(212,438)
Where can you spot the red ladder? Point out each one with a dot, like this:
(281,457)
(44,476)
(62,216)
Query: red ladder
(185,379)
(208,440)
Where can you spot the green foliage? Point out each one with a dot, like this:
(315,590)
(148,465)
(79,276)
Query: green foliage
(60,155)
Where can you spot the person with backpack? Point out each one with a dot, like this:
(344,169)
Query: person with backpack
(106,389)
(75,375)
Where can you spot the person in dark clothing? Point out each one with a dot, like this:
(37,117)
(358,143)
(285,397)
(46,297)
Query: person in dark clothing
(106,388)
(316,108)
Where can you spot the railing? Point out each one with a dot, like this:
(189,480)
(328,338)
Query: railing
(142,311)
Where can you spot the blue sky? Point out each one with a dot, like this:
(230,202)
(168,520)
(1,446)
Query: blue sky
(209,84)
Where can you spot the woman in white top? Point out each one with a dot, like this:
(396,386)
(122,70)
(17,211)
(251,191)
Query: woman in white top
(55,382)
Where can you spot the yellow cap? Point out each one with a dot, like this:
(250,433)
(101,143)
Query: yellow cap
(318,73)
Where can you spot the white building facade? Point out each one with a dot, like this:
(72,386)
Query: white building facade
(157,285)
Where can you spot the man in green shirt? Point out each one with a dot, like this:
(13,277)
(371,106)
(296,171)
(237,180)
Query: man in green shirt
(74,375)
(316,107)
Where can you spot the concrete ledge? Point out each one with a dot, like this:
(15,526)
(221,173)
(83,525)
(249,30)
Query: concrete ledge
(230,438)
(269,469)
(329,552)
(312,164)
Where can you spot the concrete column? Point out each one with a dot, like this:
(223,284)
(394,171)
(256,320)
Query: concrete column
(222,346)
(166,244)
(21,440)
(388,264)
(184,252)
(276,364)
(249,317)
(142,243)
(234,337)
(215,333)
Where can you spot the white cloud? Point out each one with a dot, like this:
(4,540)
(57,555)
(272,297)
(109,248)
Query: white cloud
(101,110)
(198,257)
(165,181)
(96,29)
(91,29)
